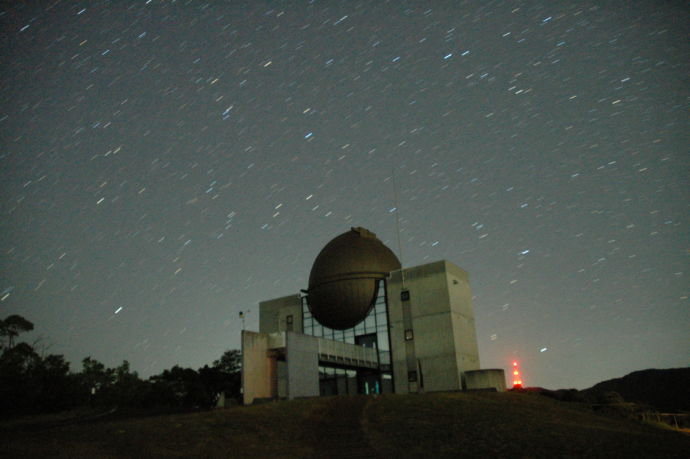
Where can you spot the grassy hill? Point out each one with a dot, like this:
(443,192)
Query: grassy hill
(428,425)
(666,390)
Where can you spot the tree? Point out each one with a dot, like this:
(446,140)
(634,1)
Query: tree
(230,362)
(610,398)
(12,326)
(33,383)
(30,383)
(127,389)
(17,387)
(20,358)
(224,376)
(57,388)
(95,380)
(182,388)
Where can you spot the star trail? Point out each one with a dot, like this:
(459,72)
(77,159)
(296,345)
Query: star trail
(166,165)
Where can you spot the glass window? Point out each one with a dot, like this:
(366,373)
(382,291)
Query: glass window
(383,341)
(375,325)
(367,340)
(381,320)
(384,357)
(370,323)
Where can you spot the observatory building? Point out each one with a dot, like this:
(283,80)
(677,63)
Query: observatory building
(366,325)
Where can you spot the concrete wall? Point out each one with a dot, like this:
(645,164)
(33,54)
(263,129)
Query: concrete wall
(396,326)
(258,370)
(441,317)
(273,314)
(282,379)
(302,358)
(486,379)
(462,318)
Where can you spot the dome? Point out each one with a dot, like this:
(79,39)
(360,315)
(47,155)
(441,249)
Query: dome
(344,278)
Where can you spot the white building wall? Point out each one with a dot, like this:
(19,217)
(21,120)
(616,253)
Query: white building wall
(258,370)
(302,359)
(441,317)
(486,379)
(274,314)
(462,318)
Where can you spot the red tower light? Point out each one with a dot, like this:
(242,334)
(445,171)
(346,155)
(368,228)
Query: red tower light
(517,380)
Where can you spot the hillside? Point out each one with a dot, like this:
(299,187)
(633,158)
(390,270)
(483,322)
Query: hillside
(429,425)
(666,390)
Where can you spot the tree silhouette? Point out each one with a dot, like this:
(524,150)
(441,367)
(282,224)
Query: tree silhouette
(12,326)
(224,376)
(37,383)
(230,362)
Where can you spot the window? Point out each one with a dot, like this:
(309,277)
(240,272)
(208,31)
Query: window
(409,334)
(370,323)
(383,340)
(412,376)
(405,295)
(288,319)
(368,340)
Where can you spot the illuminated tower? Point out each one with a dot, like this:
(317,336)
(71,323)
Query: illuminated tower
(517,380)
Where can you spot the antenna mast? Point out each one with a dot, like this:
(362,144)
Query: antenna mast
(397,227)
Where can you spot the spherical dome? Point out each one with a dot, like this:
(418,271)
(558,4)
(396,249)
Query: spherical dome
(344,278)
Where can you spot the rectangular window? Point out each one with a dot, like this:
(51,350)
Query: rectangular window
(409,334)
(412,376)
(405,295)
(383,340)
(370,323)
(366,340)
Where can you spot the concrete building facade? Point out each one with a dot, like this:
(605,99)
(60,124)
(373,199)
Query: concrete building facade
(432,327)
(418,335)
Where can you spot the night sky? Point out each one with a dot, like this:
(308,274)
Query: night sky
(166,165)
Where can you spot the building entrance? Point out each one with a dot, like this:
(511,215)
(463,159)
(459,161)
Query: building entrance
(368,382)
